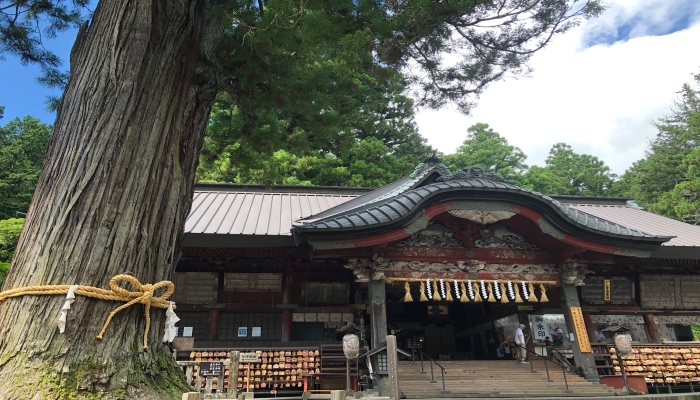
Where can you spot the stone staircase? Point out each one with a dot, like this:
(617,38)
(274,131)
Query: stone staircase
(492,378)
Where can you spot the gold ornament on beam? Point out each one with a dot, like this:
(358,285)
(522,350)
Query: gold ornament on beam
(422,292)
(465,294)
(543,296)
(436,291)
(407,298)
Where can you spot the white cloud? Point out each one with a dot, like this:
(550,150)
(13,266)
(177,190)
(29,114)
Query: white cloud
(600,100)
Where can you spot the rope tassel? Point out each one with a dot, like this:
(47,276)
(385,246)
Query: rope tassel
(145,295)
(436,291)
(465,297)
(477,295)
(447,290)
(516,290)
(504,293)
(407,298)
(491,299)
(422,292)
(531,289)
(543,295)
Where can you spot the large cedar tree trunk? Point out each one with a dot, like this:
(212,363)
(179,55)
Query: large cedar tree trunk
(112,198)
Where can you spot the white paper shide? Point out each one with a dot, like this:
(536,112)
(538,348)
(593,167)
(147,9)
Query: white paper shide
(70,298)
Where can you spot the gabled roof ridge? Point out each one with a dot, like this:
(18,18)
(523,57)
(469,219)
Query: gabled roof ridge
(578,217)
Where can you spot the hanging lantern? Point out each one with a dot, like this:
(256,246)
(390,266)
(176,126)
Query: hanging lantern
(623,344)
(351,346)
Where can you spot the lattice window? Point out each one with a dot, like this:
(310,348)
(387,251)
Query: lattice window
(251,282)
(198,320)
(270,324)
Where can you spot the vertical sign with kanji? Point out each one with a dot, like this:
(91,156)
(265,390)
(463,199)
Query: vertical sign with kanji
(580,327)
(606,290)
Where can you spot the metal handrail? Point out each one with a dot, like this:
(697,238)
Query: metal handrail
(443,371)
(563,368)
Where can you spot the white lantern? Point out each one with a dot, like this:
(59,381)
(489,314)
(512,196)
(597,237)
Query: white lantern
(623,344)
(351,346)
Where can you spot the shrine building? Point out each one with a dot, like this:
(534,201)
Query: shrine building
(449,263)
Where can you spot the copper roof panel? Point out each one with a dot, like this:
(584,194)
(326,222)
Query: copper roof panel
(255,213)
(635,218)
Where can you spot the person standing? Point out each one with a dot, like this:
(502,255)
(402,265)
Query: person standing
(520,350)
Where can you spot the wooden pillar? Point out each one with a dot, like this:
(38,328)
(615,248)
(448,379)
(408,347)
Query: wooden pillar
(589,327)
(286,325)
(377,295)
(213,325)
(652,329)
(585,363)
(287,312)
(392,366)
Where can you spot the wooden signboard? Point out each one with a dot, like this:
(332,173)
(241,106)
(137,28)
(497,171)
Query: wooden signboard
(196,287)
(209,368)
(252,282)
(580,327)
(608,290)
(249,358)
(681,292)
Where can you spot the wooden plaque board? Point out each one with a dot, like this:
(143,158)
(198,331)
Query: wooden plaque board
(580,327)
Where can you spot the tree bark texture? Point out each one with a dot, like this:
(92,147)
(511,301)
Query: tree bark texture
(112,198)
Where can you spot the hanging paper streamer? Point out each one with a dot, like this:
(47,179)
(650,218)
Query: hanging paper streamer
(442,289)
(447,290)
(63,317)
(457,293)
(532,294)
(518,299)
(543,295)
(407,298)
(422,292)
(429,289)
(497,290)
(170,321)
(526,295)
(436,292)
(465,298)
(469,292)
(475,292)
(511,294)
(504,293)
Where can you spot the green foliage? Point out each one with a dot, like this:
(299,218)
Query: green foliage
(486,148)
(10,230)
(22,147)
(696,330)
(667,181)
(373,141)
(569,173)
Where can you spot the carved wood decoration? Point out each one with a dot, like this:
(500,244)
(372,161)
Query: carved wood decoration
(435,235)
(574,273)
(500,237)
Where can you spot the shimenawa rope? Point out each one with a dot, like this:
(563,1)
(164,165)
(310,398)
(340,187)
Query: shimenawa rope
(145,295)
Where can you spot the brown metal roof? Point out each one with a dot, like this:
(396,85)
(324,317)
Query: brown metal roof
(255,213)
(635,218)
